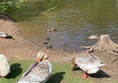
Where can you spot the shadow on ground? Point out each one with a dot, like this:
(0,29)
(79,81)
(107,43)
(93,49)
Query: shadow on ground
(56,78)
(100,74)
(15,71)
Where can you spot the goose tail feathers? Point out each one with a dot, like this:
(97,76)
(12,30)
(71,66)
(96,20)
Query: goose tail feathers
(100,65)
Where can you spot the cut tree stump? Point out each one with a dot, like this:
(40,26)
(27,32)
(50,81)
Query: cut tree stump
(104,44)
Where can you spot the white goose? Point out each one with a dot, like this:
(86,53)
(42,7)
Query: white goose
(88,62)
(5,35)
(4,66)
(39,72)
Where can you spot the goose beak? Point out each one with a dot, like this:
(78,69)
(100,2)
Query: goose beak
(13,39)
(38,59)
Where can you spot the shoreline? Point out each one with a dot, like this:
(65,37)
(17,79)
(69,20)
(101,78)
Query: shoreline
(22,49)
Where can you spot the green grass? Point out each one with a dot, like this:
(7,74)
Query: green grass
(61,74)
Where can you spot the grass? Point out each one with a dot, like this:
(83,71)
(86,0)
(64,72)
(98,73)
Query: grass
(61,74)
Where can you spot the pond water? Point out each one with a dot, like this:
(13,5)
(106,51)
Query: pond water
(74,20)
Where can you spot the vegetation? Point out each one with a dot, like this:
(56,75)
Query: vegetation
(6,4)
(33,8)
(24,10)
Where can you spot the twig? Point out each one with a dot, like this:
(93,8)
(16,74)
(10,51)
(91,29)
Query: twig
(50,10)
(114,60)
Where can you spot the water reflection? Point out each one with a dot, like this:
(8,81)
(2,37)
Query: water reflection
(74,20)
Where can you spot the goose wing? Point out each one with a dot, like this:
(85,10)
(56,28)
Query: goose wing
(88,60)
(38,72)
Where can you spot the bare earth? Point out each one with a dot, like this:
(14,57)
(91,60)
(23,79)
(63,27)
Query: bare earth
(24,50)
(20,49)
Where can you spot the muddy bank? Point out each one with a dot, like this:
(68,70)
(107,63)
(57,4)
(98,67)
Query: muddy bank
(20,48)
(14,49)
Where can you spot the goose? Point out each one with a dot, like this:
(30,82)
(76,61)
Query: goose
(88,62)
(6,36)
(51,29)
(4,66)
(39,72)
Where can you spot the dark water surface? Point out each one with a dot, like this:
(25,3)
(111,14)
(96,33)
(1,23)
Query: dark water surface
(74,20)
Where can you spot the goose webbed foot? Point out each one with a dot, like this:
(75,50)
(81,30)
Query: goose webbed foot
(85,75)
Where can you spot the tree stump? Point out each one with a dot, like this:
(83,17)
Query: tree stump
(104,44)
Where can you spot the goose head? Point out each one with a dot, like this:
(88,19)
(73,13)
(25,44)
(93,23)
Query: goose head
(41,56)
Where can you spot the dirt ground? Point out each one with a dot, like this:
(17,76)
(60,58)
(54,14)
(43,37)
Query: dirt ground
(20,49)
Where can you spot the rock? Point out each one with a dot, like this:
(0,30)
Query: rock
(45,43)
(49,46)
(4,66)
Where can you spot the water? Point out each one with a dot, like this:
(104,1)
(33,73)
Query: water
(74,20)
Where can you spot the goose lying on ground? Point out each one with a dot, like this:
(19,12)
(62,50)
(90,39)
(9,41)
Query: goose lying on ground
(5,35)
(39,72)
(4,66)
(88,62)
